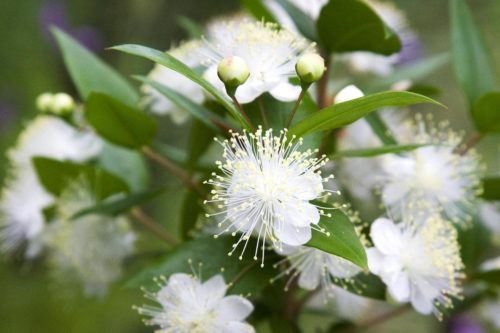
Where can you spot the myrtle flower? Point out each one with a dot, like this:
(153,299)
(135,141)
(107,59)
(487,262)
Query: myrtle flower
(89,249)
(265,189)
(188,53)
(431,178)
(187,305)
(23,197)
(314,268)
(490,216)
(419,261)
(269,52)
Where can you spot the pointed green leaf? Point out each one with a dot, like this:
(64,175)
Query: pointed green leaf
(342,114)
(119,123)
(473,66)
(486,113)
(89,73)
(339,238)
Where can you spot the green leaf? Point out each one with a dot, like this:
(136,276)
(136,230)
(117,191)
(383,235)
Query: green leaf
(90,74)
(258,10)
(367,285)
(492,277)
(380,129)
(196,110)
(55,175)
(491,188)
(168,61)
(119,123)
(304,23)
(191,208)
(211,253)
(122,161)
(371,152)
(191,27)
(472,63)
(342,114)
(339,238)
(486,113)
(116,206)
(200,138)
(352,25)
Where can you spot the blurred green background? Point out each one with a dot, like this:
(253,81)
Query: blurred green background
(30,64)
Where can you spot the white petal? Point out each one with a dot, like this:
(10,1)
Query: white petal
(286,92)
(215,287)
(386,236)
(234,308)
(249,91)
(291,235)
(309,279)
(238,327)
(399,286)
(300,214)
(308,186)
(348,93)
(375,260)
(421,303)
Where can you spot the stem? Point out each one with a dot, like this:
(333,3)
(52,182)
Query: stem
(184,177)
(153,226)
(471,142)
(241,274)
(296,107)
(243,113)
(263,113)
(377,320)
(322,86)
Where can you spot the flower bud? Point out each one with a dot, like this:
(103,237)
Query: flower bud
(44,102)
(233,71)
(310,68)
(62,103)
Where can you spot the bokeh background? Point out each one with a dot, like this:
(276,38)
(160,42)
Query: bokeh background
(30,64)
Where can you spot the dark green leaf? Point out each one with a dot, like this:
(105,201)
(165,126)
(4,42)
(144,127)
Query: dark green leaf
(168,61)
(258,10)
(492,277)
(343,114)
(191,27)
(491,188)
(486,112)
(90,74)
(304,23)
(119,123)
(352,25)
(473,66)
(55,175)
(339,238)
(367,285)
(212,254)
(200,138)
(191,208)
(380,129)
(116,206)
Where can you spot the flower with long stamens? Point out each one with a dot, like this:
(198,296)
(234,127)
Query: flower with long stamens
(187,305)
(419,261)
(265,189)
(269,52)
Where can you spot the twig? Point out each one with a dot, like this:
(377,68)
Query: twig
(295,107)
(263,113)
(322,85)
(377,320)
(153,226)
(243,113)
(174,169)
(473,139)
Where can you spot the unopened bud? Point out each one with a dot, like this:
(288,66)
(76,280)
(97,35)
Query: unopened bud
(310,68)
(44,102)
(233,71)
(62,103)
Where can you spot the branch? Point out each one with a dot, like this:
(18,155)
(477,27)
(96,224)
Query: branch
(153,226)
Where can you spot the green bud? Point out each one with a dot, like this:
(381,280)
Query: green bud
(233,71)
(44,102)
(310,68)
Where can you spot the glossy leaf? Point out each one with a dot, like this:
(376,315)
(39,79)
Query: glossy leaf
(55,175)
(339,238)
(119,123)
(472,63)
(90,74)
(367,285)
(168,61)
(380,129)
(352,25)
(371,152)
(486,113)
(120,205)
(491,188)
(190,210)
(211,253)
(342,114)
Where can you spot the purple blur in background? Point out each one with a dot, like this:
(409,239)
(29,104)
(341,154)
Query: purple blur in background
(463,324)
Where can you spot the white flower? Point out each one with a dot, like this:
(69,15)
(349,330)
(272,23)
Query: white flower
(265,189)
(188,53)
(490,216)
(433,177)
(315,268)
(269,52)
(419,262)
(190,306)
(23,197)
(89,249)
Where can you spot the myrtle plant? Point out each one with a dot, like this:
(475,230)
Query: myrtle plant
(307,181)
